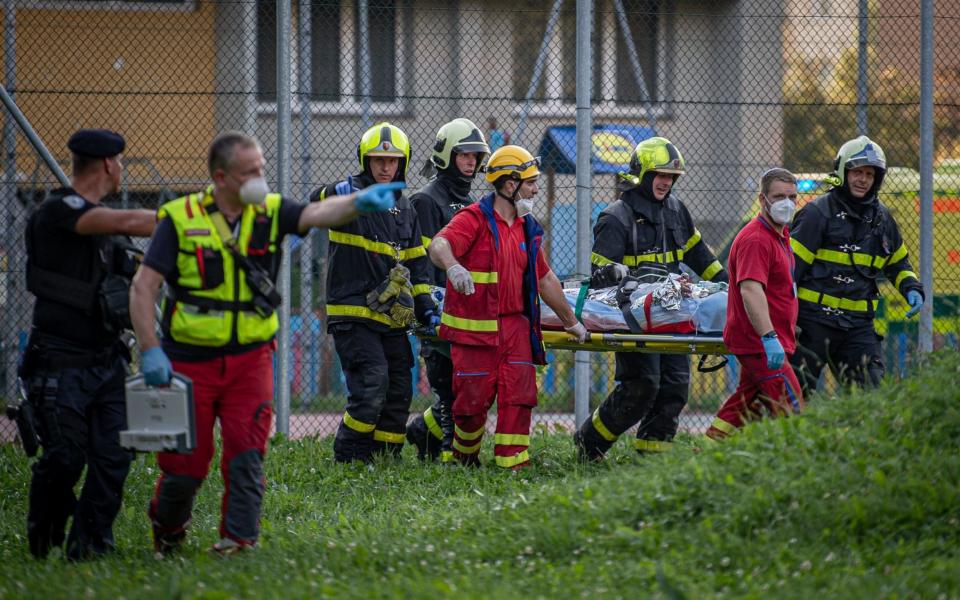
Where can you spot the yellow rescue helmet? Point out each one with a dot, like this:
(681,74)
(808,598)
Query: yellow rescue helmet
(512,162)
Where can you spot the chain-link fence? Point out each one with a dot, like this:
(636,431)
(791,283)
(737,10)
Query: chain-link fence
(737,85)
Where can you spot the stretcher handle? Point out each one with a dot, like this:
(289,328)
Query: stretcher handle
(582,297)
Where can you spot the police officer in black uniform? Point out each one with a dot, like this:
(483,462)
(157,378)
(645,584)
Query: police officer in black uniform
(845,242)
(646,226)
(459,151)
(75,363)
(376,283)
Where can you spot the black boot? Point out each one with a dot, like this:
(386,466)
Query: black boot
(419,436)
(591,446)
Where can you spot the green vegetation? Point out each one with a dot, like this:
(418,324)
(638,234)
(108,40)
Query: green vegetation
(858,498)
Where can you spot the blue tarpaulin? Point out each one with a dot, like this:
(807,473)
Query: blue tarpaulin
(612,147)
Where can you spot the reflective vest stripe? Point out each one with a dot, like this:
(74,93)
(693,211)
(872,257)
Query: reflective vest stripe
(358,241)
(668,257)
(358,425)
(801,251)
(601,428)
(483,325)
(425,241)
(714,268)
(468,435)
(899,255)
(432,424)
(844,258)
(652,445)
(421,288)
(349,310)
(835,302)
(511,439)
(511,461)
(485,276)
(903,275)
(387,436)
(600,260)
(693,241)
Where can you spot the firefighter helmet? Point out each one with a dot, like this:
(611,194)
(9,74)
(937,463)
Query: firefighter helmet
(656,154)
(859,152)
(384,139)
(460,136)
(511,162)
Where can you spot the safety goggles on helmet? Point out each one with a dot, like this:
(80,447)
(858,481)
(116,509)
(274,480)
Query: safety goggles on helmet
(856,153)
(517,168)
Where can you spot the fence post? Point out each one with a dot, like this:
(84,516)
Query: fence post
(581,371)
(926,173)
(283,183)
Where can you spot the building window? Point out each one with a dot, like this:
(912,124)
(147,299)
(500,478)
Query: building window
(336,49)
(615,82)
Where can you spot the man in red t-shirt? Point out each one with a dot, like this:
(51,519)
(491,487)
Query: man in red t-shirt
(762,311)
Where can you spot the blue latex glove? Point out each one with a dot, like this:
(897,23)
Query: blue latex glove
(156,367)
(432,322)
(378,197)
(774,351)
(915,300)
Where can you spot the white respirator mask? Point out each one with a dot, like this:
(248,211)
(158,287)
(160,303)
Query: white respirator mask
(782,211)
(254,191)
(524,206)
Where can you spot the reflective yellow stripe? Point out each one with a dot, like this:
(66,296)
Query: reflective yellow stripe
(600,260)
(693,241)
(601,428)
(432,424)
(511,439)
(835,302)
(669,257)
(465,449)
(421,288)
(357,425)
(358,241)
(425,241)
(484,276)
(899,255)
(511,461)
(843,258)
(483,325)
(903,275)
(801,251)
(468,435)
(714,268)
(446,456)
(348,310)
(386,436)
(723,426)
(652,445)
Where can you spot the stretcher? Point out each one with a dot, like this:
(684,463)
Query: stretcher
(638,342)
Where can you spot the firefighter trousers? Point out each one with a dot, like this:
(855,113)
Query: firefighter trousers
(853,355)
(651,389)
(504,373)
(237,390)
(760,392)
(432,431)
(377,367)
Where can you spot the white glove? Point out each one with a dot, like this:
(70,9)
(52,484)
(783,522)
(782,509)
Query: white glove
(578,331)
(459,277)
(620,271)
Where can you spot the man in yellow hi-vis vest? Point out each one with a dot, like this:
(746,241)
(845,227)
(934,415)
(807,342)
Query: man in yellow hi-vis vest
(219,252)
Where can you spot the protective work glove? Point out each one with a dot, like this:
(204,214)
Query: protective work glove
(460,278)
(608,275)
(401,310)
(915,300)
(398,280)
(155,366)
(578,331)
(774,350)
(430,320)
(628,285)
(377,197)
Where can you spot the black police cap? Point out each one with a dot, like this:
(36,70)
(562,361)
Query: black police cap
(96,143)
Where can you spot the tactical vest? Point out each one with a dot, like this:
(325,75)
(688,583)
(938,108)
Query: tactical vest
(211,304)
(666,246)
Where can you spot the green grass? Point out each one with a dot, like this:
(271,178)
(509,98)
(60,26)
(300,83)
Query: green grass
(858,498)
